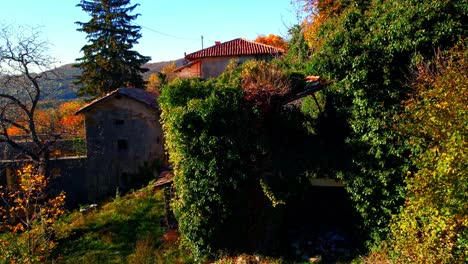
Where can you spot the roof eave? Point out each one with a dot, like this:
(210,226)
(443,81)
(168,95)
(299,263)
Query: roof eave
(230,55)
(108,97)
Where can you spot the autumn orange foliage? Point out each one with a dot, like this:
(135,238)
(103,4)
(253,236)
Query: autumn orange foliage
(272,40)
(316,12)
(26,203)
(62,121)
(28,213)
(14,131)
(70,123)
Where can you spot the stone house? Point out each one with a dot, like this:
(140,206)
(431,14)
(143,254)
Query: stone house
(212,61)
(125,144)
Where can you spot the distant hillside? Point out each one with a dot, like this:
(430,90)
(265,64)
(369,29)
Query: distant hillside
(158,66)
(60,85)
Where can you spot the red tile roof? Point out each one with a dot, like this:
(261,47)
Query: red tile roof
(140,95)
(235,47)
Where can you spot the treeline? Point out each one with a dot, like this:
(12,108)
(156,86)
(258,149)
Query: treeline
(392,122)
(60,87)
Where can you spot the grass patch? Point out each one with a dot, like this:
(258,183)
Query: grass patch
(125,230)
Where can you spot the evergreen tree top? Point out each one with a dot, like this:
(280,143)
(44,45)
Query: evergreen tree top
(109,62)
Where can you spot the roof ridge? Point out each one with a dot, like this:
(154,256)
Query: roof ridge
(146,97)
(237,46)
(254,42)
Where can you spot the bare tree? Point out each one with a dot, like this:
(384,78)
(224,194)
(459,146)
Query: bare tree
(24,63)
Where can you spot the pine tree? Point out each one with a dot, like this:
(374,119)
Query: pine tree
(108,62)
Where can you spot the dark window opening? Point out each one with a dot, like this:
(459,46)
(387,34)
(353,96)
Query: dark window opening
(158,140)
(122,144)
(118,122)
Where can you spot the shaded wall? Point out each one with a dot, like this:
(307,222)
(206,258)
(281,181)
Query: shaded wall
(124,145)
(67,174)
(189,71)
(60,148)
(212,67)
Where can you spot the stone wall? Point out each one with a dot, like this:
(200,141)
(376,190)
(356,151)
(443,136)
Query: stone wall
(124,142)
(60,148)
(124,148)
(67,174)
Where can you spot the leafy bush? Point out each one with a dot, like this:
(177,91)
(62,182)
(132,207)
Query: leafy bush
(232,142)
(433,225)
(264,84)
(313,109)
(298,51)
(366,48)
(27,214)
(204,125)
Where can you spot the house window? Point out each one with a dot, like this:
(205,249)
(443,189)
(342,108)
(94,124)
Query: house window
(122,144)
(158,140)
(118,122)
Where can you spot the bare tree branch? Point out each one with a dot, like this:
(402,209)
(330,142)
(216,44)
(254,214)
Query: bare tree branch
(24,62)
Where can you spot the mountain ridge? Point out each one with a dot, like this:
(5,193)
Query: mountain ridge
(60,86)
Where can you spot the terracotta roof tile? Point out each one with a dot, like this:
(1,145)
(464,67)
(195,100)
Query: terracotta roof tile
(234,47)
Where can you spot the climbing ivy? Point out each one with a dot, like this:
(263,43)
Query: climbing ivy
(366,49)
(204,124)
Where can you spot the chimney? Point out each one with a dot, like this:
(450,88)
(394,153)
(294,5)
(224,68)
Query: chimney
(217,43)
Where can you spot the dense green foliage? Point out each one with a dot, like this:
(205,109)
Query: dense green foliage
(108,61)
(204,125)
(433,225)
(391,125)
(241,156)
(366,48)
(298,52)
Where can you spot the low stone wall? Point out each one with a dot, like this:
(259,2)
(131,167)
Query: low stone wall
(60,148)
(68,174)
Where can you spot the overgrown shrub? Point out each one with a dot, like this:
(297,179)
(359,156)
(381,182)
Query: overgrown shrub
(204,125)
(264,84)
(27,215)
(240,156)
(366,49)
(433,224)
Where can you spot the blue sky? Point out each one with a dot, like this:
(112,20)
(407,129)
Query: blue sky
(169,27)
